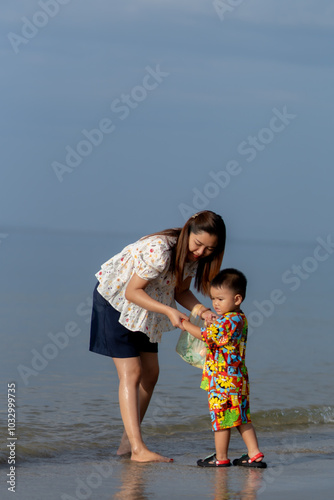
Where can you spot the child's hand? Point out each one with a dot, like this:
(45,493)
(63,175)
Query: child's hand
(209,317)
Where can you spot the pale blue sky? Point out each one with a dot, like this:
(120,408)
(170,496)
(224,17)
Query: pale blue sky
(200,95)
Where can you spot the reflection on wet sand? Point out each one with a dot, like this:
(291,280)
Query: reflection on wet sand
(243,486)
(132,477)
(137,481)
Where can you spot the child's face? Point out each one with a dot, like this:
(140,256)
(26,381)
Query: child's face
(224,300)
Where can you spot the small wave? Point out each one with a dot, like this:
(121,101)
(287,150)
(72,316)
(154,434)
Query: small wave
(264,420)
(48,442)
(294,417)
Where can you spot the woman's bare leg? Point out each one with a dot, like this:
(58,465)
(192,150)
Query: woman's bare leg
(134,386)
(149,378)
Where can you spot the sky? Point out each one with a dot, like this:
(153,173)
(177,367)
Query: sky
(133,115)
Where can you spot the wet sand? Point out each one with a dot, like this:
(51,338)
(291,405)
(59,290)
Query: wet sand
(300,465)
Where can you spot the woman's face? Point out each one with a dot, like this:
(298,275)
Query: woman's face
(201,245)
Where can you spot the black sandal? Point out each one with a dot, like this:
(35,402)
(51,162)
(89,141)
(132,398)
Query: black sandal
(245,461)
(211,461)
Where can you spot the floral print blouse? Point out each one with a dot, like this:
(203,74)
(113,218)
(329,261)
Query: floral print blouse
(150,259)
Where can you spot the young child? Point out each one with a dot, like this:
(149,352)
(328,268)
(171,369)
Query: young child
(225,374)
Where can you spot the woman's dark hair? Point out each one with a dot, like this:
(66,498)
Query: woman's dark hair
(208,267)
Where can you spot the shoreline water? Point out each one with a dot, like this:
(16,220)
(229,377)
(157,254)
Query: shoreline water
(40,439)
(68,419)
(300,465)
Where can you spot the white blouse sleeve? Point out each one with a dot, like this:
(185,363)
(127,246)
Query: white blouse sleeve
(151,257)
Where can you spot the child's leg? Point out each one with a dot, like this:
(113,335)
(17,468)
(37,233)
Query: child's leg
(248,434)
(222,440)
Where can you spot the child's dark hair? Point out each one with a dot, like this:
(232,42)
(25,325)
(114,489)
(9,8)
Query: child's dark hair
(231,278)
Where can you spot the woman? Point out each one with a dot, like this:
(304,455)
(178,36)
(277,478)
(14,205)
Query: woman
(134,303)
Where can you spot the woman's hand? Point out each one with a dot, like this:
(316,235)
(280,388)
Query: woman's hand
(175,317)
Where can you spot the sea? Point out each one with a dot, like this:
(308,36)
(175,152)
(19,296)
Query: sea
(60,419)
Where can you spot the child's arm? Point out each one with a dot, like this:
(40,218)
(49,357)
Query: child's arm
(195,331)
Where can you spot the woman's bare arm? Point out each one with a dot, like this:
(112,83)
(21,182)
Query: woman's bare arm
(184,296)
(135,292)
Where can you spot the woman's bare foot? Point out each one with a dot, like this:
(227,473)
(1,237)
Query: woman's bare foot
(145,455)
(124,447)
(141,453)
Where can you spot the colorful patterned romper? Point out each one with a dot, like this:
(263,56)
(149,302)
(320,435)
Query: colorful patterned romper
(225,375)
